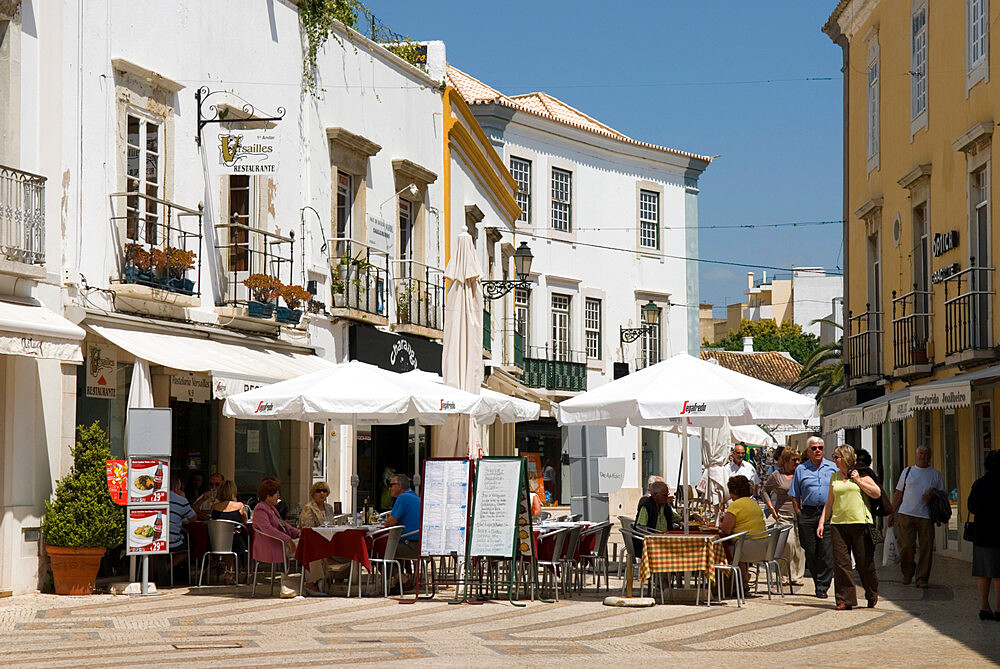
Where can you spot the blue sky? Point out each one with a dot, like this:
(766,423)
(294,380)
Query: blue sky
(675,73)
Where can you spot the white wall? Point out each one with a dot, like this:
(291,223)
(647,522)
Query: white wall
(813,293)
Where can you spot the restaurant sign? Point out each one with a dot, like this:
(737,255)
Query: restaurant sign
(253,152)
(191,387)
(102,365)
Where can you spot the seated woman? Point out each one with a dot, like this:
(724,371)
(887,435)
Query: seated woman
(227,508)
(743,515)
(316,512)
(267,521)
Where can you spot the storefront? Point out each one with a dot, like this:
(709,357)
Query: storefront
(384,450)
(192,369)
(545,438)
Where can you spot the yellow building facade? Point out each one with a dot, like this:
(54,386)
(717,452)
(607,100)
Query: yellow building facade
(920,336)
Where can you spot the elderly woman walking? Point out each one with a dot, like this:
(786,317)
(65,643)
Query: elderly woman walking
(783,510)
(848,516)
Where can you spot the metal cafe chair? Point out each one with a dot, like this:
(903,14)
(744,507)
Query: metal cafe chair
(260,535)
(220,542)
(733,568)
(388,559)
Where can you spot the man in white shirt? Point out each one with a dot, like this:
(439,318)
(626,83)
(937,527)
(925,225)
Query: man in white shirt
(914,528)
(740,467)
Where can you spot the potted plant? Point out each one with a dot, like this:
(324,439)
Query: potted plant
(338,286)
(293,296)
(264,289)
(179,261)
(159,263)
(403,301)
(138,263)
(82,521)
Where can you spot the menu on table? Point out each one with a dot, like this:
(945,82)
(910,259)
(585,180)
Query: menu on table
(494,519)
(445,507)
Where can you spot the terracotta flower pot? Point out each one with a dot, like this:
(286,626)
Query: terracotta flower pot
(75,569)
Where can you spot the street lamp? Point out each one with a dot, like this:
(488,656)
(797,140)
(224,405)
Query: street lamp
(652,314)
(522,269)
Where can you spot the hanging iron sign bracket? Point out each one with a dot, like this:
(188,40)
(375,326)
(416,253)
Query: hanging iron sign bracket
(220,115)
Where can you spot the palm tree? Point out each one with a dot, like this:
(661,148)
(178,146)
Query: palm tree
(824,367)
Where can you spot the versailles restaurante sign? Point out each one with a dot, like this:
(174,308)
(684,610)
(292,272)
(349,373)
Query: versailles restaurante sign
(251,152)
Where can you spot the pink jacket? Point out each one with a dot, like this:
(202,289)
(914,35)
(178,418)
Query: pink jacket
(267,521)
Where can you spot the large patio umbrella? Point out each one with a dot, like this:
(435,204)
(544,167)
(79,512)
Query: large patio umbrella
(494,405)
(353,392)
(462,357)
(685,391)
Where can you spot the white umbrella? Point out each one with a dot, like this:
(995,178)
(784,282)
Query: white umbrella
(462,356)
(353,391)
(494,405)
(684,390)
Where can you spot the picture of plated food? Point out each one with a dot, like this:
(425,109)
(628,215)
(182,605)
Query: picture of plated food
(144,532)
(144,482)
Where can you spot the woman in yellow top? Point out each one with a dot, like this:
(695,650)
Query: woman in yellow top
(744,515)
(847,513)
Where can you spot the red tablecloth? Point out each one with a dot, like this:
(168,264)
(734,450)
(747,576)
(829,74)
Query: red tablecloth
(348,543)
(198,538)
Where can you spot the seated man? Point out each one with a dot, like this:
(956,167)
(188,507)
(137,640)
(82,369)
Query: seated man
(203,505)
(405,512)
(180,513)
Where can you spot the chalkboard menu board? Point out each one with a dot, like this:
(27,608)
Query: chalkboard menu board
(494,516)
(445,507)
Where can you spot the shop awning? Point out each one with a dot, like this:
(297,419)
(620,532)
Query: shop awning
(234,366)
(872,412)
(27,328)
(949,393)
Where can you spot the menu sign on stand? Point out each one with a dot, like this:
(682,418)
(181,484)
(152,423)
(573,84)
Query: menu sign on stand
(148,440)
(148,531)
(149,481)
(445,512)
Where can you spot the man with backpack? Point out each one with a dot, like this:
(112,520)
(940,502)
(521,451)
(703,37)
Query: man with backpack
(917,487)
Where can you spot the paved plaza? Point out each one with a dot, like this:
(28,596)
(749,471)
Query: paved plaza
(223,627)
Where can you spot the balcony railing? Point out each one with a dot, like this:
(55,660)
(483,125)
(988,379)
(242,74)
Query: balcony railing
(158,249)
(487,330)
(864,343)
(360,276)
(555,369)
(419,291)
(247,250)
(967,298)
(22,216)
(911,327)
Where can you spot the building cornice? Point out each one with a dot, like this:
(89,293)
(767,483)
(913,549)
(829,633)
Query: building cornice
(872,206)
(848,17)
(975,139)
(409,170)
(151,77)
(352,142)
(916,176)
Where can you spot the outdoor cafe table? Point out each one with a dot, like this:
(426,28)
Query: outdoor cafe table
(673,552)
(316,543)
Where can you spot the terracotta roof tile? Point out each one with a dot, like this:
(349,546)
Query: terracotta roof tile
(771,366)
(475,92)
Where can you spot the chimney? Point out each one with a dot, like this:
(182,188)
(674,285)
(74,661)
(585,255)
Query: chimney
(749,280)
(748,344)
(763,277)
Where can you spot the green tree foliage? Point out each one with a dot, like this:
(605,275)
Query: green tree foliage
(824,368)
(769,336)
(83,513)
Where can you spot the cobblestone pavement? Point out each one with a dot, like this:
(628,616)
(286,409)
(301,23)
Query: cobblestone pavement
(219,626)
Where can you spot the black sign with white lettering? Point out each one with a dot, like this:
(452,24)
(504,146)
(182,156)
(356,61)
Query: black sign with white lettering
(944,242)
(397,353)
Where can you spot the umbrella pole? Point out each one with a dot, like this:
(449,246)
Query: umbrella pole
(355,479)
(687,502)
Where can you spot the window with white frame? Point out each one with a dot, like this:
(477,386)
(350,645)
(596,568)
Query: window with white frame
(918,60)
(520,169)
(592,327)
(649,219)
(977,40)
(562,192)
(344,205)
(143,139)
(405,231)
(873,102)
(522,311)
(560,327)
(650,340)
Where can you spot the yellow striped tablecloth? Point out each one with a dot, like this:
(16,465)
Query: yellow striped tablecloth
(680,552)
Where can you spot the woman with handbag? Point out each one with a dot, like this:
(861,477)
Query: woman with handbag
(983,500)
(850,519)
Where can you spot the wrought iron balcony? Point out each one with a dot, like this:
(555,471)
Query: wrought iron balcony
(968,296)
(360,279)
(22,216)
(864,344)
(911,329)
(419,291)
(160,243)
(555,369)
(248,250)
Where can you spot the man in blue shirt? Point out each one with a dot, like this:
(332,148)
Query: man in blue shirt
(809,489)
(405,512)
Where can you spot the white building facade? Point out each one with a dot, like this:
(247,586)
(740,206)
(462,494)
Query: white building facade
(612,225)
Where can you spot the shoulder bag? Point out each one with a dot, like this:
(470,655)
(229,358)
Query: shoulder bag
(969,532)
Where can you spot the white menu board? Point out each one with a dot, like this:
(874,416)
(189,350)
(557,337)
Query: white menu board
(494,516)
(445,507)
